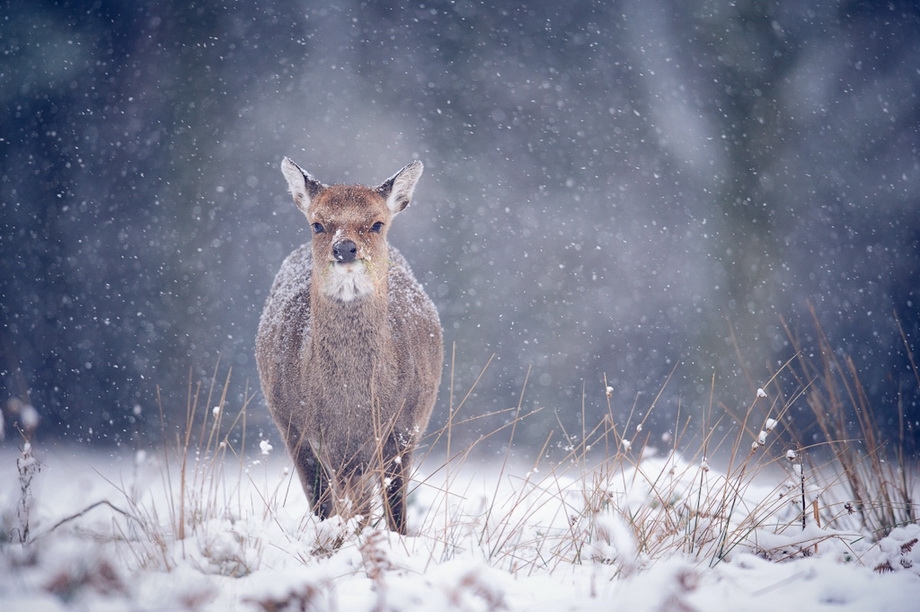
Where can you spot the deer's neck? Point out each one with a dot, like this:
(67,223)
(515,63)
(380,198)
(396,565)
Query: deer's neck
(350,336)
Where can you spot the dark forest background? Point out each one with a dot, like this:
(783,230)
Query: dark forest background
(615,189)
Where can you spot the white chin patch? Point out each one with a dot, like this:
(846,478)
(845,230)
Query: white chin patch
(345,282)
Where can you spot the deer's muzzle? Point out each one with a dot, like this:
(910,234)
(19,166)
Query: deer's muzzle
(344,251)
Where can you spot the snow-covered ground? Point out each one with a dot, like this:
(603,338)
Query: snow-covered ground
(104,535)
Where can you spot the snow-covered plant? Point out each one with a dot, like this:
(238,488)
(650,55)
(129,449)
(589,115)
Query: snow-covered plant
(879,474)
(25,420)
(615,503)
(27,466)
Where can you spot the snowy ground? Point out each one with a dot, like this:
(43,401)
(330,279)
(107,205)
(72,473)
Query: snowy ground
(104,536)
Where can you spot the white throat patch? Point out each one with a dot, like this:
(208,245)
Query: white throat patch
(345,282)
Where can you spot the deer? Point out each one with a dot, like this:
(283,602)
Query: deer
(349,349)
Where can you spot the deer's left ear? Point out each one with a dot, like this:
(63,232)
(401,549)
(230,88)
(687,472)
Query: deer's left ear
(398,189)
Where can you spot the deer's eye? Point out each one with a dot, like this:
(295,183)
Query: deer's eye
(377,227)
(318,228)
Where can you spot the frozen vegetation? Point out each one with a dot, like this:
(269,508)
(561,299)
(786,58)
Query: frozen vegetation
(495,539)
(604,517)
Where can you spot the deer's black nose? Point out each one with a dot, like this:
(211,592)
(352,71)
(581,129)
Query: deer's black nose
(344,251)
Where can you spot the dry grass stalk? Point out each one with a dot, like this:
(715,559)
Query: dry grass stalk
(877,472)
(613,497)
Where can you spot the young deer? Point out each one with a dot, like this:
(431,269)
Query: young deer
(349,348)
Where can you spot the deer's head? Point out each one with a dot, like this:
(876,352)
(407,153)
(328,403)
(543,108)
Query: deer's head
(349,225)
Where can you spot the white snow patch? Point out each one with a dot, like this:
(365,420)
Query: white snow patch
(488,537)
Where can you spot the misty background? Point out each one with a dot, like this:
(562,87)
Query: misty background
(614,191)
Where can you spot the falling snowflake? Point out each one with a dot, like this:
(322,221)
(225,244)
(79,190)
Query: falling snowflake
(265,446)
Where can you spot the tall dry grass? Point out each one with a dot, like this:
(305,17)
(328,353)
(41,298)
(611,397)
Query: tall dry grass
(877,470)
(715,483)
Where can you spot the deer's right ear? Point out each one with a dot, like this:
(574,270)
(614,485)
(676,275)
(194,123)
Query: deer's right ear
(303,187)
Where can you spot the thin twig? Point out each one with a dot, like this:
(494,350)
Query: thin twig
(77,515)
